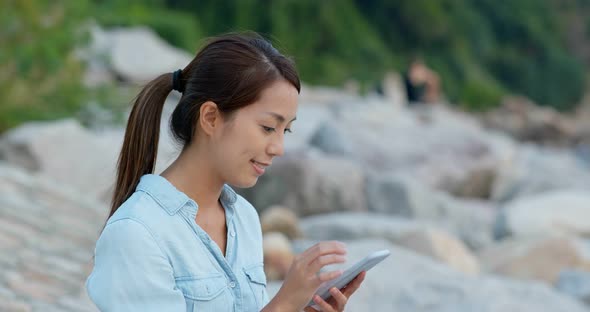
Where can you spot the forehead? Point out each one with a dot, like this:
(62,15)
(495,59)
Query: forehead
(279,98)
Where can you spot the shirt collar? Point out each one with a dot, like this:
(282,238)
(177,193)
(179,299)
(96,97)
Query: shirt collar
(171,199)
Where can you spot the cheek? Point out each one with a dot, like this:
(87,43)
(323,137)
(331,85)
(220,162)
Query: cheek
(237,148)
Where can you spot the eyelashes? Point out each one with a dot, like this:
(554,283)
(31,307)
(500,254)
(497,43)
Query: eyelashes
(270,130)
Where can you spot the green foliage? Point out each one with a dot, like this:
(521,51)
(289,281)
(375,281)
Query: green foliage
(179,28)
(39,77)
(480,48)
(514,45)
(480,96)
(326,51)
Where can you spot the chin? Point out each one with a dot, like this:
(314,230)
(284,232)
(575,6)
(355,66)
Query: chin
(246,183)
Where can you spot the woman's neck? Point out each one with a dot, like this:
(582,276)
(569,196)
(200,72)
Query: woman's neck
(192,174)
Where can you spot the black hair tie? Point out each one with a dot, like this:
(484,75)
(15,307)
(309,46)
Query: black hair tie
(176,81)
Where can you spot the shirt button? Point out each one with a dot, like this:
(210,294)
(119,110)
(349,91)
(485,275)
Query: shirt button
(232,233)
(232,284)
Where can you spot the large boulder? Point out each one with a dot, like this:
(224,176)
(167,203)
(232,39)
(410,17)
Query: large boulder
(280,219)
(421,237)
(564,212)
(440,148)
(77,156)
(472,220)
(137,54)
(536,170)
(66,152)
(535,258)
(309,182)
(526,121)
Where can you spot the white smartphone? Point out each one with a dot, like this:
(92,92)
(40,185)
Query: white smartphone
(349,274)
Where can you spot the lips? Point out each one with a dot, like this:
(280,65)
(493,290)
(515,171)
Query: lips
(259,167)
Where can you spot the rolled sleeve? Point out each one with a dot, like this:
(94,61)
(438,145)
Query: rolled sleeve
(131,273)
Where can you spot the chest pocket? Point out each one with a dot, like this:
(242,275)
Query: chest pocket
(205,293)
(257,282)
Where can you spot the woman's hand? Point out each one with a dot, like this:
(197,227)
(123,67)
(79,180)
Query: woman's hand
(339,298)
(304,277)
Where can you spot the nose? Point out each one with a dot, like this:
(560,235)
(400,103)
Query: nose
(276,147)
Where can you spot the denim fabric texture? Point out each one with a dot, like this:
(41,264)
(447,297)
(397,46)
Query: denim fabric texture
(152,255)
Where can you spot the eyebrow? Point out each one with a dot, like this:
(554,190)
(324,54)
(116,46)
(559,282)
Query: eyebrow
(279,117)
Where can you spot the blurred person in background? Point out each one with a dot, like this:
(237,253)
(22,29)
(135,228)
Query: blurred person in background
(422,84)
(184,240)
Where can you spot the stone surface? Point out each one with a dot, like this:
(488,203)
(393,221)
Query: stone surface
(534,170)
(421,237)
(278,255)
(137,54)
(70,154)
(280,219)
(565,212)
(44,223)
(575,283)
(309,182)
(539,259)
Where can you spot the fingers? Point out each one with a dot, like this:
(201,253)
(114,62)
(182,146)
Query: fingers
(324,248)
(322,261)
(324,306)
(354,284)
(339,298)
(326,276)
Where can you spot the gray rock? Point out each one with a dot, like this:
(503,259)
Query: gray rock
(340,226)
(138,55)
(76,156)
(575,283)
(55,227)
(310,117)
(534,259)
(536,215)
(65,151)
(421,237)
(403,196)
(309,183)
(400,196)
(329,139)
(535,170)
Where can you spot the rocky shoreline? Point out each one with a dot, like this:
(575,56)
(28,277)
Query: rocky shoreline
(479,213)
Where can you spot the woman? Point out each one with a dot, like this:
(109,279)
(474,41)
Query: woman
(184,240)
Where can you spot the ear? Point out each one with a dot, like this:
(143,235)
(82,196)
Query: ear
(209,118)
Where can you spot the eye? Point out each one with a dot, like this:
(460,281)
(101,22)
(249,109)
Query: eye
(288,130)
(268,129)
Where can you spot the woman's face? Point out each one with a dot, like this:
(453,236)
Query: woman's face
(255,134)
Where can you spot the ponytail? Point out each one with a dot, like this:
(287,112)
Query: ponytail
(140,146)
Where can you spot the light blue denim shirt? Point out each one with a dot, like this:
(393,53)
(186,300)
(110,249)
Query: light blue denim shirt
(152,255)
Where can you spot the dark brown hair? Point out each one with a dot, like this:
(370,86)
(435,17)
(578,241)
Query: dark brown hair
(230,70)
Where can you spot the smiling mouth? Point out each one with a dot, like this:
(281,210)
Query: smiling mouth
(259,167)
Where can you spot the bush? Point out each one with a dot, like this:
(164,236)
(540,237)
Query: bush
(180,29)
(39,77)
(480,96)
